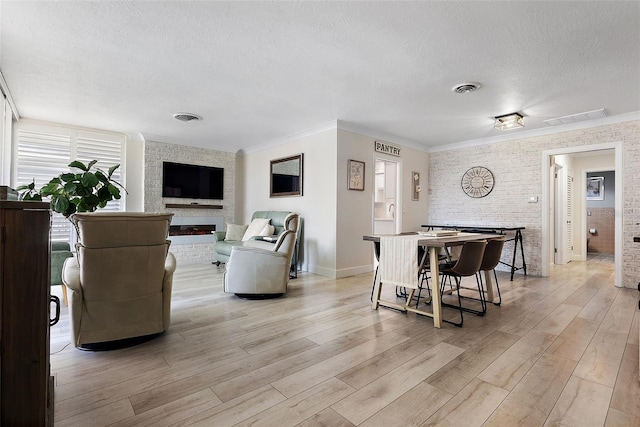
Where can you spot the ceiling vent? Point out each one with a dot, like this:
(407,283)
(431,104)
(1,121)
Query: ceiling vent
(186,117)
(466,87)
(589,115)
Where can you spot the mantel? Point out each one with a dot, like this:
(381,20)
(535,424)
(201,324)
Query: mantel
(192,206)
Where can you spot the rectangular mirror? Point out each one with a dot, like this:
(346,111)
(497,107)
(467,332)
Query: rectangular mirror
(286,176)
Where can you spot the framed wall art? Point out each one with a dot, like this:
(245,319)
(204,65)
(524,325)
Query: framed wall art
(355,175)
(595,188)
(415,187)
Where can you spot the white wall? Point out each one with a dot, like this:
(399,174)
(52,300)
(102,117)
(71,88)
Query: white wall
(516,166)
(134,174)
(355,208)
(317,206)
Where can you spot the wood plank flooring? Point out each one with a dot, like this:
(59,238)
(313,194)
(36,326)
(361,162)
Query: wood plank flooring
(558,351)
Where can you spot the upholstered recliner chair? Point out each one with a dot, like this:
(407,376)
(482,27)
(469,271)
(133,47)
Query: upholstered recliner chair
(260,269)
(120,281)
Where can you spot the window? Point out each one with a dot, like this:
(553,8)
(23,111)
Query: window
(43,151)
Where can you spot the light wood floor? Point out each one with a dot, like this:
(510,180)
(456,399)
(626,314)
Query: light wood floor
(559,351)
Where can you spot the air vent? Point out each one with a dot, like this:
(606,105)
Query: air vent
(589,115)
(466,87)
(186,117)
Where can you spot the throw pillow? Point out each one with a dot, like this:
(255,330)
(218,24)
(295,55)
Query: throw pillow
(268,230)
(235,232)
(255,228)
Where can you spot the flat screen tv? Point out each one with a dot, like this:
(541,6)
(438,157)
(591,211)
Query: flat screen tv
(192,181)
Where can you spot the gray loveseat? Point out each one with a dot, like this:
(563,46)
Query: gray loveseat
(222,247)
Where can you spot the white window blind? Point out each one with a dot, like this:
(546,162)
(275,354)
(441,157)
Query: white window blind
(44,151)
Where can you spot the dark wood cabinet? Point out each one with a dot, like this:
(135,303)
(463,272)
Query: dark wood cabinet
(26,396)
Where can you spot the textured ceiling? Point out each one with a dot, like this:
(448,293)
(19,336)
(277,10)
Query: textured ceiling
(259,71)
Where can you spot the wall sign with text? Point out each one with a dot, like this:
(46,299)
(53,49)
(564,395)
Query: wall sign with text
(383,147)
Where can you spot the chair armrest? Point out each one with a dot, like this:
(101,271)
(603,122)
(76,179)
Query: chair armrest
(256,254)
(71,275)
(170,264)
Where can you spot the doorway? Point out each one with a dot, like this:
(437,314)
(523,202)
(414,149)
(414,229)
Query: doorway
(554,223)
(385,200)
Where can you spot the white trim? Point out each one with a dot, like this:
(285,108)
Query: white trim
(6,142)
(322,271)
(44,125)
(5,90)
(549,130)
(351,127)
(332,125)
(353,271)
(545,157)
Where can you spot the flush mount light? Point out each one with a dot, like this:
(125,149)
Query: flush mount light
(466,87)
(186,117)
(509,121)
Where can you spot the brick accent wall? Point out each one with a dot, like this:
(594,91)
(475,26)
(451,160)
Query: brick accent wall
(516,168)
(157,152)
(603,221)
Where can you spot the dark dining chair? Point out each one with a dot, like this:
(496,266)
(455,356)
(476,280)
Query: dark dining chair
(467,265)
(490,260)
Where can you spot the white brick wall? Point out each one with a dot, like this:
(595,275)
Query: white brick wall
(516,168)
(158,152)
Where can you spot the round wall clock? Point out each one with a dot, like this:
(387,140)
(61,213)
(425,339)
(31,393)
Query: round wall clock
(477,182)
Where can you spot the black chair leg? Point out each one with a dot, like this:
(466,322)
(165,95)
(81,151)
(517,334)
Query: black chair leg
(460,308)
(375,276)
(498,288)
(483,302)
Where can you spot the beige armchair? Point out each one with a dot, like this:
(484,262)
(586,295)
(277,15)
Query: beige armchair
(120,280)
(260,269)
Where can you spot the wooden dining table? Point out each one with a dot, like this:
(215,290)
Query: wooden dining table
(433,245)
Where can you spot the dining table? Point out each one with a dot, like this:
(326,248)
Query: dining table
(433,244)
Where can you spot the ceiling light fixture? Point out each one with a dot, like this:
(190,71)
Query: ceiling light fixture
(466,87)
(186,117)
(509,121)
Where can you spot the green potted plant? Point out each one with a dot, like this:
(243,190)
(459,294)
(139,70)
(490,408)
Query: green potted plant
(70,192)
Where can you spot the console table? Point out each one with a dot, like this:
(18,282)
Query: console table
(516,239)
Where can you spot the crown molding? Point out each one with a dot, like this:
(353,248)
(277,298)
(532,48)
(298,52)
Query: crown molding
(5,90)
(331,125)
(351,127)
(550,130)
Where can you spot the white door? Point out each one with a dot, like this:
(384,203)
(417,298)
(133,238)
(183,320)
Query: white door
(568,218)
(385,200)
(563,223)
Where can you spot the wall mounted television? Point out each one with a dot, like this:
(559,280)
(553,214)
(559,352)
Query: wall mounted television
(192,181)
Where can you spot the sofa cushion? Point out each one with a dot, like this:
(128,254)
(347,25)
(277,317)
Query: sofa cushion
(225,247)
(268,230)
(254,229)
(235,232)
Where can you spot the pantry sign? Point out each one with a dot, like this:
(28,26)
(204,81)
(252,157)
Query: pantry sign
(383,147)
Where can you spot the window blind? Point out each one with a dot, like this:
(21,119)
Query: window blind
(44,151)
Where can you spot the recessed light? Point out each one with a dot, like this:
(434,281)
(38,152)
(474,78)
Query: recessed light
(466,87)
(186,117)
